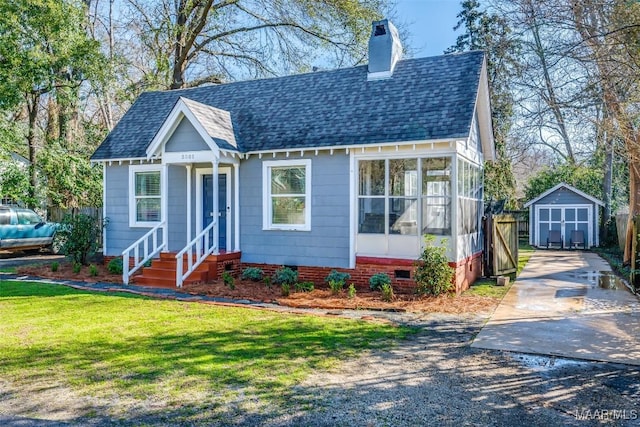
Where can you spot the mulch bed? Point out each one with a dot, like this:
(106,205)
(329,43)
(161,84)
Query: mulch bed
(321,297)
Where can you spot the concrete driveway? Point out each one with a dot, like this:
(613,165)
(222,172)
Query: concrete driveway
(565,304)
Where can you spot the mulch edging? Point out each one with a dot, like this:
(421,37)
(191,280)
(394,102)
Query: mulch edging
(168,294)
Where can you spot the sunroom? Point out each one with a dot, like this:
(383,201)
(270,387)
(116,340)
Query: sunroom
(403,196)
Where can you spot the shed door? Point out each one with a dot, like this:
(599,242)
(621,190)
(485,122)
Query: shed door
(577,219)
(564,219)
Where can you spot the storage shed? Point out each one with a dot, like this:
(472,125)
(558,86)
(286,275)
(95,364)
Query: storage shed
(564,217)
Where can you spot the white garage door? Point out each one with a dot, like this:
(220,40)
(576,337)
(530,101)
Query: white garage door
(563,218)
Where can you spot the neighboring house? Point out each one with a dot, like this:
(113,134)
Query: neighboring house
(567,211)
(343,169)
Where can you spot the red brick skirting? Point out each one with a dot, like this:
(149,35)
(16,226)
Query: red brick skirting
(401,271)
(466,271)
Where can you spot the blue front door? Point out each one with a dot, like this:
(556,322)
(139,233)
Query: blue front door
(207,197)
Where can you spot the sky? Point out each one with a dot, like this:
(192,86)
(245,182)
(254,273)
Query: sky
(430,23)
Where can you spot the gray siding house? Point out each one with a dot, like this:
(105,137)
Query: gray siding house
(333,169)
(570,213)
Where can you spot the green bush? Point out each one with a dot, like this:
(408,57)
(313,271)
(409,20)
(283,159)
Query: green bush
(304,287)
(336,286)
(377,280)
(267,281)
(54,266)
(351,292)
(387,292)
(93,270)
(115,266)
(286,289)
(336,276)
(432,271)
(254,274)
(77,267)
(285,275)
(228,280)
(78,236)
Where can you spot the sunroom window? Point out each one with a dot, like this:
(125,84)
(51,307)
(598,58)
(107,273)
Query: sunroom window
(436,196)
(404,196)
(470,188)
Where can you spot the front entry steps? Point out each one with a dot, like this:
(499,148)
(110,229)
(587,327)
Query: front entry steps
(162,272)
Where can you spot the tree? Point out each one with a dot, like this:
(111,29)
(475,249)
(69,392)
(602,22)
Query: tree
(44,52)
(611,32)
(490,32)
(187,43)
(584,178)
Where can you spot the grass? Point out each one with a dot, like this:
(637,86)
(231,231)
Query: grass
(488,288)
(106,344)
(11,270)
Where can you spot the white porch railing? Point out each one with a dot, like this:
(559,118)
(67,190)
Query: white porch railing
(203,248)
(148,252)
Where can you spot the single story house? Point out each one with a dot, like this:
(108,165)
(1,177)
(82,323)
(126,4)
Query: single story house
(344,169)
(564,216)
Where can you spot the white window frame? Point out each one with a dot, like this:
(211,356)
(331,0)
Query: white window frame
(133,169)
(267,214)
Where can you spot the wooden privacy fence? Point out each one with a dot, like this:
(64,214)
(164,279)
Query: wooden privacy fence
(634,278)
(501,243)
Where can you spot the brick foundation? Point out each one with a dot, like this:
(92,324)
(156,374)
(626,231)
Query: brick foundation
(401,271)
(467,271)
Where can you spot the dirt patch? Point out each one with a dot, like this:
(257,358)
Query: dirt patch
(321,297)
(65,272)
(405,300)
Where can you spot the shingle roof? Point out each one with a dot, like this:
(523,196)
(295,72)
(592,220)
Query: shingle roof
(216,122)
(425,99)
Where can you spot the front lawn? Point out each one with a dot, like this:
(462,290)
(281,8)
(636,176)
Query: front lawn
(183,356)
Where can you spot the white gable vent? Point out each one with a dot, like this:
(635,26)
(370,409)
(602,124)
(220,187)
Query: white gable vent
(385,50)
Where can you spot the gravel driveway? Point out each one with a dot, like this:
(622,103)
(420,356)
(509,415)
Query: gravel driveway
(434,378)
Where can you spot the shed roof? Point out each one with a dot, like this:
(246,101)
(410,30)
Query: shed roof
(425,99)
(567,187)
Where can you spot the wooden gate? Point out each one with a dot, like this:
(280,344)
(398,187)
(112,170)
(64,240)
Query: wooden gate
(501,243)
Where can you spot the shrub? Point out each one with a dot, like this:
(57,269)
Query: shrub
(286,289)
(267,281)
(77,267)
(93,270)
(285,275)
(304,287)
(336,286)
(432,271)
(377,280)
(336,276)
(387,292)
(54,266)
(228,280)
(351,292)
(254,274)
(115,266)
(78,236)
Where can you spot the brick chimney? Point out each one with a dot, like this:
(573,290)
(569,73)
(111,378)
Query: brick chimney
(385,50)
